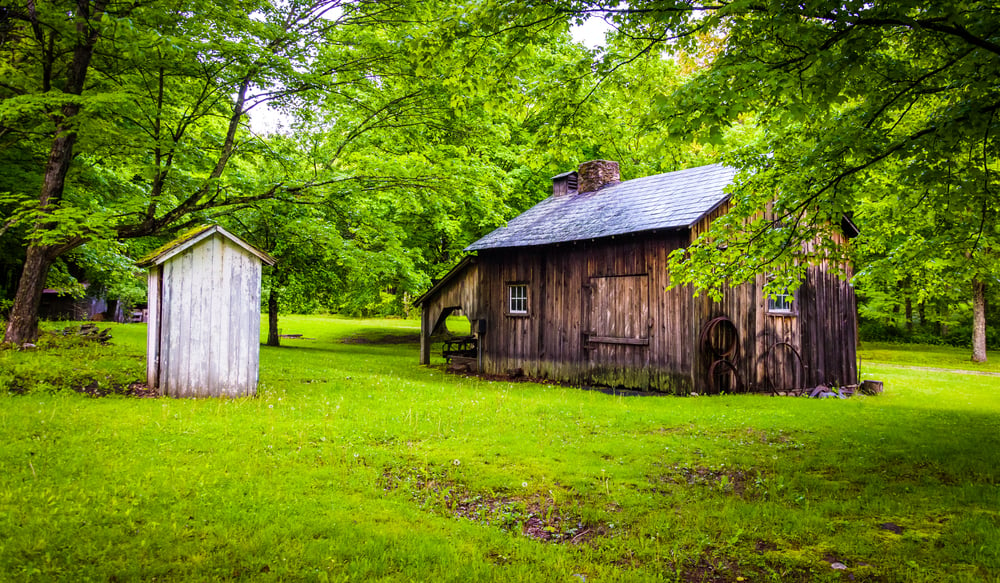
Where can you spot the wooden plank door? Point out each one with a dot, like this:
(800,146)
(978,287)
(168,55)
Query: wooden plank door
(617,324)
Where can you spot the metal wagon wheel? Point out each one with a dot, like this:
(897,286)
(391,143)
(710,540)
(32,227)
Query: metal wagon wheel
(797,379)
(719,337)
(724,369)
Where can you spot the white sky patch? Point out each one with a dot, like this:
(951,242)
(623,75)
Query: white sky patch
(265,120)
(591,33)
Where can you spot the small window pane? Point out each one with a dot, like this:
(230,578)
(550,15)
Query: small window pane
(780,303)
(518,299)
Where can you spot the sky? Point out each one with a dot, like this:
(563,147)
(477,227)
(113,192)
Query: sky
(591,33)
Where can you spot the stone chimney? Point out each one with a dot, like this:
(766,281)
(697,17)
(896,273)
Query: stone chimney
(597,174)
(564,184)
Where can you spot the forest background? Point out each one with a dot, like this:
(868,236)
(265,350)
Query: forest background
(413,128)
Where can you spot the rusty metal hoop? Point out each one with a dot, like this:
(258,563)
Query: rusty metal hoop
(767,369)
(739,387)
(720,323)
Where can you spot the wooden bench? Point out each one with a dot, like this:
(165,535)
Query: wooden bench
(465,346)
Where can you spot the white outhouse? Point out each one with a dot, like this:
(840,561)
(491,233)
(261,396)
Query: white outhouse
(204,315)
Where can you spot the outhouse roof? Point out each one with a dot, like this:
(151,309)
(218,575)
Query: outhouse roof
(192,238)
(664,201)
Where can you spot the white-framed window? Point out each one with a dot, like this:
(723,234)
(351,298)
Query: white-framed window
(517,298)
(783,303)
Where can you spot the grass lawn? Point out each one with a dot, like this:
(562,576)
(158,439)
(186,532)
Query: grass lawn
(926,355)
(356,464)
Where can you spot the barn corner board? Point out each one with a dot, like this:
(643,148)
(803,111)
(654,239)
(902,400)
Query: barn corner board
(203,338)
(575,290)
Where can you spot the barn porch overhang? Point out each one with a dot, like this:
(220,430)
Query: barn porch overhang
(457,290)
(445,280)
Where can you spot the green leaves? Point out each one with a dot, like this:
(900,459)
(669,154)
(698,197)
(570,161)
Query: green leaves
(876,109)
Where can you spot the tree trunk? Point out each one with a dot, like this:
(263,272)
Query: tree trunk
(23,324)
(909,315)
(978,320)
(273,339)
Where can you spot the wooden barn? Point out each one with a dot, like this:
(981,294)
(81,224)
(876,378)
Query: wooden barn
(575,290)
(204,315)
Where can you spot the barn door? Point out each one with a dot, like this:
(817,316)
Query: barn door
(617,324)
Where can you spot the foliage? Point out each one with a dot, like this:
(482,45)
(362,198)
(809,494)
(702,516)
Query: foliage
(345,465)
(73,363)
(156,139)
(886,109)
(454,157)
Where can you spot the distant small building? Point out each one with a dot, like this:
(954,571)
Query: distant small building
(576,290)
(204,315)
(56,305)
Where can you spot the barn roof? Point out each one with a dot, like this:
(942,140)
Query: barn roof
(192,238)
(664,201)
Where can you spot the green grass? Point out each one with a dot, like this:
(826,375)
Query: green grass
(354,463)
(926,355)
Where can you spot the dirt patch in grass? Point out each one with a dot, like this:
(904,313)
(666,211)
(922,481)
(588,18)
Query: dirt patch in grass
(96,389)
(535,517)
(766,438)
(382,339)
(711,569)
(706,567)
(133,389)
(738,481)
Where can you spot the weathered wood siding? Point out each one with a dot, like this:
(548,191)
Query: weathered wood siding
(599,313)
(829,328)
(204,330)
(814,344)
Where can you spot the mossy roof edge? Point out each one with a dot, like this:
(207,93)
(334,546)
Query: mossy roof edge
(192,237)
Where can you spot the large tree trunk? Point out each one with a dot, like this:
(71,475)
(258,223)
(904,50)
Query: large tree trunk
(273,339)
(978,320)
(23,324)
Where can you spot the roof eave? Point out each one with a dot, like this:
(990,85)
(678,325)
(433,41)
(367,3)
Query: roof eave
(177,247)
(452,273)
(644,232)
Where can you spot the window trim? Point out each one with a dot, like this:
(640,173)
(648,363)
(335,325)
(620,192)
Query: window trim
(786,298)
(509,299)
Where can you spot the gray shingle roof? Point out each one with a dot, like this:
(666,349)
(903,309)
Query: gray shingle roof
(664,201)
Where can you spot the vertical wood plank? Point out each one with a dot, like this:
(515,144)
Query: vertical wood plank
(167,325)
(153,325)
